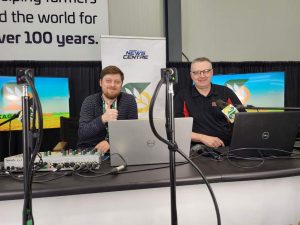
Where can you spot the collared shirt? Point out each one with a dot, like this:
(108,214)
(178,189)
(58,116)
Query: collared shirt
(208,118)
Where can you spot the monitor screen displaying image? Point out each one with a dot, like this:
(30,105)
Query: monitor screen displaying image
(54,97)
(256,89)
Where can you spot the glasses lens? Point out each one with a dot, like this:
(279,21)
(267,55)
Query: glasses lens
(199,72)
(205,72)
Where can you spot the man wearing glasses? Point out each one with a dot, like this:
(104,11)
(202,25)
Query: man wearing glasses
(210,126)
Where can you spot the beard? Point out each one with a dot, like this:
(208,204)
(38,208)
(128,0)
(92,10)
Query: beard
(111,93)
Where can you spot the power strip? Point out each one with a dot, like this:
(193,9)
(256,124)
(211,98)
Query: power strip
(65,160)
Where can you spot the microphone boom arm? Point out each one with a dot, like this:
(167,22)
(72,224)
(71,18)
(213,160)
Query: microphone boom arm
(268,108)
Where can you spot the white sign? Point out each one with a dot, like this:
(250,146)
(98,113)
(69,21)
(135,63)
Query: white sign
(46,30)
(141,59)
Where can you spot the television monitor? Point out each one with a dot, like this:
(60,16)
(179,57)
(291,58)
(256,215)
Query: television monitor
(54,97)
(256,89)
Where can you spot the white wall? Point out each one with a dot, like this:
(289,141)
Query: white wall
(241,30)
(136,18)
(223,30)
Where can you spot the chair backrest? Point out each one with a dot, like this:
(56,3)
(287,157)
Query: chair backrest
(69,131)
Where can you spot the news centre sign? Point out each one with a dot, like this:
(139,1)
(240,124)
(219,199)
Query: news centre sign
(141,59)
(135,54)
(52,30)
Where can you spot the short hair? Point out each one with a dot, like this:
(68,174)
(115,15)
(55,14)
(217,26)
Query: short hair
(202,59)
(111,70)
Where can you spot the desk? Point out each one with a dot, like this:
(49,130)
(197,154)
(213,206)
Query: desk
(266,195)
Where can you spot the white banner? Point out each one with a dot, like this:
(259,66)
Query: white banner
(141,60)
(46,30)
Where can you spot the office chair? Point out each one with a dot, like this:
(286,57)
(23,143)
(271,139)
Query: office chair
(68,133)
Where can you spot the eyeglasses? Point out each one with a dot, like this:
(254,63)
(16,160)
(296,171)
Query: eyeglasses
(199,72)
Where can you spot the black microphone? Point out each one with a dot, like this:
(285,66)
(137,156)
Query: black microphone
(244,107)
(169,71)
(221,104)
(227,109)
(22,72)
(170,74)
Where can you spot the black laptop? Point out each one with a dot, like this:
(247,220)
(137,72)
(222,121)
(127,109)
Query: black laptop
(263,134)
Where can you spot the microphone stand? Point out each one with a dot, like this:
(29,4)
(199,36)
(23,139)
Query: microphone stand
(26,152)
(27,147)
(170,77)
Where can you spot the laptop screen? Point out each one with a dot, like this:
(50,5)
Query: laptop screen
(264,133)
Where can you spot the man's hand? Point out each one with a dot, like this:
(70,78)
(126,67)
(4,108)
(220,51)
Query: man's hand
(109,115)
(209,141)
(102,146)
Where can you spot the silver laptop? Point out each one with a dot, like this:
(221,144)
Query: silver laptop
(135,142)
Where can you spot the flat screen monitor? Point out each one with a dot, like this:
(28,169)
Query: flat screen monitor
(52,91)
(256,89)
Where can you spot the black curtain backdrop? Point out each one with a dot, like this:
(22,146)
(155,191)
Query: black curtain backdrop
(291,69)
(83,81)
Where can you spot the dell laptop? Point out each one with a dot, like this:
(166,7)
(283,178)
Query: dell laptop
(263,134)
(135,142)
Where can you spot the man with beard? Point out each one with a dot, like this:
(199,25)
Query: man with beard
(100,108)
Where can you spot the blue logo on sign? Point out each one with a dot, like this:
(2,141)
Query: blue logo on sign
(135,54)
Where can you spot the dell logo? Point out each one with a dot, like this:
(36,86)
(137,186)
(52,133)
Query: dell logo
(150,143)
(265,135)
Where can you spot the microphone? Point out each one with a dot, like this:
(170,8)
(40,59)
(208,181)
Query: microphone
(118,169)
(22,72)
(169,71)
(244,107)
(227,109)
(170,74)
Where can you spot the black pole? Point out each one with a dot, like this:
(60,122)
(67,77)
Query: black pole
(26,155)
(171,139)
(170,77)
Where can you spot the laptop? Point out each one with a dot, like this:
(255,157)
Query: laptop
(136,143)
(263,134)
